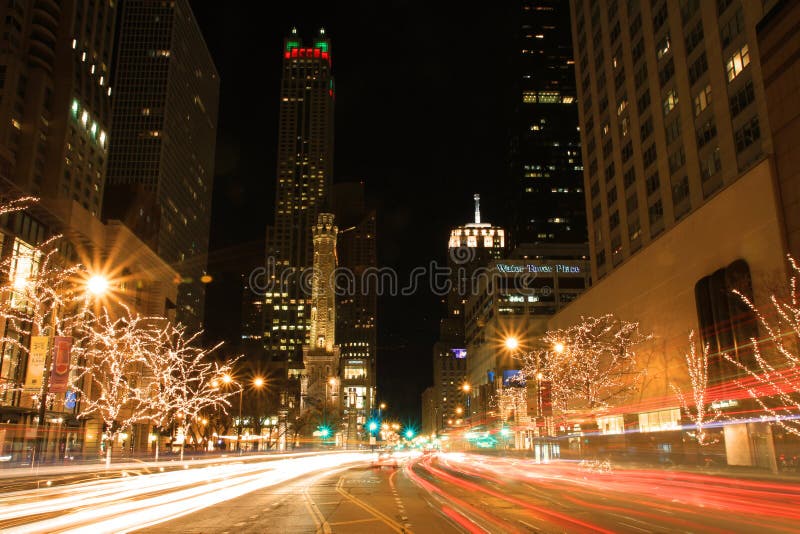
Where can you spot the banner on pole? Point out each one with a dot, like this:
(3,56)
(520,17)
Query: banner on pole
(36,359)
(59,376)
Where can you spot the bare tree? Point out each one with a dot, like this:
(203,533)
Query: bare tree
(773,381)
(699,410)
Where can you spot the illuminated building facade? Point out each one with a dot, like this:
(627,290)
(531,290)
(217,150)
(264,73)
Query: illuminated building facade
(689,195)
(515,299)
(545,160)
(471,246)
(161,166)
(320,376)
(303,183)
(55,109)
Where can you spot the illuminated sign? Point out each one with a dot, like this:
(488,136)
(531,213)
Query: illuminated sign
(531,268)
(513,378)
(459,354)
(718,405)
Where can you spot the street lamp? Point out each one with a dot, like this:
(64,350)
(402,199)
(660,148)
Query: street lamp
(511,343)
(258,383)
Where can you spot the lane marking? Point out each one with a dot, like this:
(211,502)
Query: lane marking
(352,521)
(394,525)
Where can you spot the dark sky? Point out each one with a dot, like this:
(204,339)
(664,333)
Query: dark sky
(420,117)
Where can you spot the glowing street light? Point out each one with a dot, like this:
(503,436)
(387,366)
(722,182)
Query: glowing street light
(511,343)
(466,387)
(258,382)
(97,285)
(558,347)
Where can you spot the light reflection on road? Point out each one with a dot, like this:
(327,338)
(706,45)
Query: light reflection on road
(135,502)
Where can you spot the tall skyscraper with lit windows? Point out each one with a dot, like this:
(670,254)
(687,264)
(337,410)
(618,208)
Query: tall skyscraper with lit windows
(545,161)
(161,164)
(303,189)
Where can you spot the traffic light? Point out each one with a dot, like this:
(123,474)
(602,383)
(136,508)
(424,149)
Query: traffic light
(372,426)
(409,434)
(324,431)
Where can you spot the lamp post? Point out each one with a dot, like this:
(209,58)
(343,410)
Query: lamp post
(332,383)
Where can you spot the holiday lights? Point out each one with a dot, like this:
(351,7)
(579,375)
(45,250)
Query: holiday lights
(700,414)
(588,365)
(776,373)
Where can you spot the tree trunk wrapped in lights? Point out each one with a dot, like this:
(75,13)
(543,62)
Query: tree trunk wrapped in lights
(588,365)
(700,411)
(773,380)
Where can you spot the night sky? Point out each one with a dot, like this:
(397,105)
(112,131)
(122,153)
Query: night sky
(421,109)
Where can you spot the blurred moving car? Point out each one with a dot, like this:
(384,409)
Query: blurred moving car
(386,458)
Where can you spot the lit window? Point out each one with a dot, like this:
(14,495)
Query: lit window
(84,117)
(702,100)
(670,101)
(737,62)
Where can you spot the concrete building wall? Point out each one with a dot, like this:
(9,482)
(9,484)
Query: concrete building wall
(656,287)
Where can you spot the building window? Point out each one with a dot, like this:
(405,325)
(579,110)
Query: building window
(632,203)
(646,129)
(655,212)
(673,130)
(676,160)
(743,98)
(726,324)
(706,132)
(661,420)
(702,100)
(670,101)
(698,68)
(649,155)
(666,73)
(630,177)
(711,165)
(652,184)
(747,134)
(643,102)
(641,76)
(694,37)
(734,27)
(737,62)
(613,220)
(611,196)
(680,190)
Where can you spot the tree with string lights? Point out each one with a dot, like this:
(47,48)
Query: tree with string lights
(588,365)
(773,380)
(700,411)
(187,381)
(113,377)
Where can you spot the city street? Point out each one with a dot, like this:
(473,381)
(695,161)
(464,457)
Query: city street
(446,492)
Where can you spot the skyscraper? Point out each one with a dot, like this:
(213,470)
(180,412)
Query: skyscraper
(161,167)
(55,109)
(547,181)
(356,311)
(672,111)
(303,182)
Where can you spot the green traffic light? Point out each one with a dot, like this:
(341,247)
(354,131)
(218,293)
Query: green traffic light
(324,431)
(409,434)
(373,426)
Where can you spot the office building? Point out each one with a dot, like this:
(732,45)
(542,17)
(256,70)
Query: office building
(672,112)
(688,203)
(303,188)
(161,166)
(547,201)
(55,109)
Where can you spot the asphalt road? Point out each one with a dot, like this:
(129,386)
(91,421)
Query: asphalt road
(441,493)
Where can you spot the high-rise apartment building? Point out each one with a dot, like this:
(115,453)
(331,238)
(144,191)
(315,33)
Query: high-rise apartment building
(55,108)
(161,167)
(545,160)
(672,112)
(303,183)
